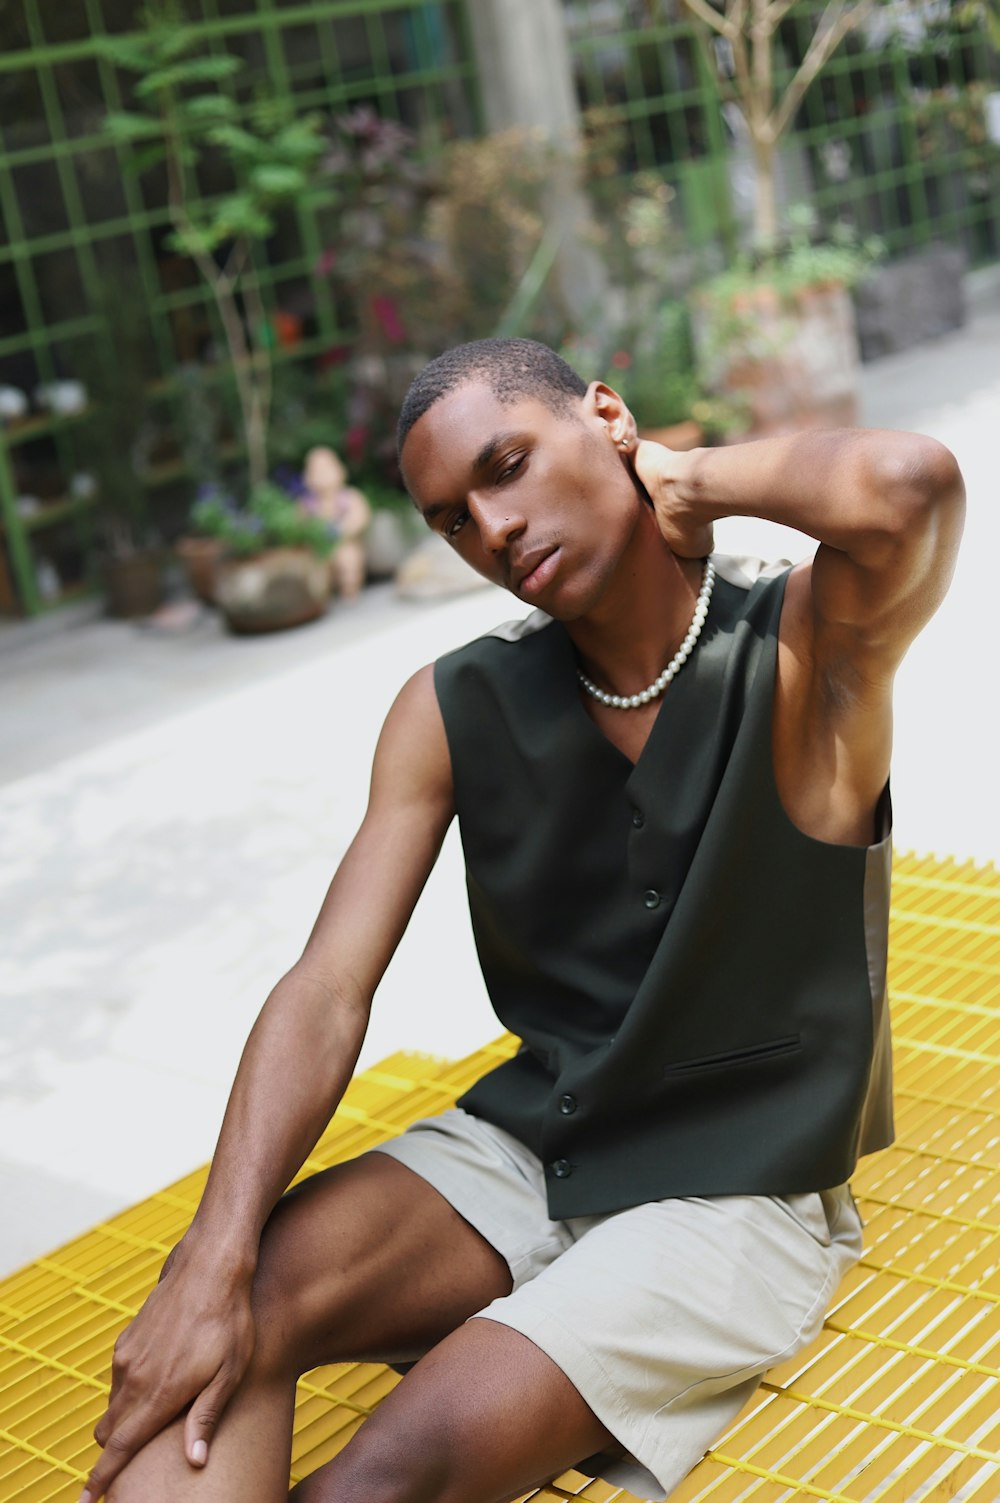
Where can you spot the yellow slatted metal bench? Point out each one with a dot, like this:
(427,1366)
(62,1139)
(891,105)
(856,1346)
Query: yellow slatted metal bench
(897,1401)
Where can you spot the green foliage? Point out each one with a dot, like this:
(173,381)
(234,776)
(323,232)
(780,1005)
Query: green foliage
(647,353)
(654,371)
(271,518)
(656,376)
(178,119)
(210,107)
(123,128)
(949,116)
(113,441)
(752,312)
(309,411)
(488,219)
(800,263)
(384,497)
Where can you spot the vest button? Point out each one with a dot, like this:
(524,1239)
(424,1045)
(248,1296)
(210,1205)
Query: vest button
(638,818)
(562,1168)
(567,1105)
(651,898)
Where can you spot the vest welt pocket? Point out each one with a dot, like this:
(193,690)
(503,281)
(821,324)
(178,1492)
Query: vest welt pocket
(750,1055)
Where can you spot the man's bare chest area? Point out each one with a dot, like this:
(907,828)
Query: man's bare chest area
(627,730)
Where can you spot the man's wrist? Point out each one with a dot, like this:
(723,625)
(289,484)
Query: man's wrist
(230,1252)
(689,481)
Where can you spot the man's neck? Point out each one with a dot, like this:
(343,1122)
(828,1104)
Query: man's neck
(633,631)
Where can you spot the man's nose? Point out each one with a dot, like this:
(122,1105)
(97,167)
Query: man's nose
(498,522)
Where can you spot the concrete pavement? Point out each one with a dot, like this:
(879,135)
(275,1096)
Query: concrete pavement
(171,812)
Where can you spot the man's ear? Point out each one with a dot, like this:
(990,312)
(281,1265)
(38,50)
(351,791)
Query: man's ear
(607,405)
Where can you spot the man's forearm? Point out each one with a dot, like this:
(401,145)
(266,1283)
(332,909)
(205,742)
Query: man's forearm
(848,488)
(295,1068)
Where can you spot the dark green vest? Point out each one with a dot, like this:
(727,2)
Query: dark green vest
(699,987)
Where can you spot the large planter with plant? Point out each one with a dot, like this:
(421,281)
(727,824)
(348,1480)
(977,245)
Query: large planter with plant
(272,591)
(182,118)
(273,570)
(777,330)
(780,338)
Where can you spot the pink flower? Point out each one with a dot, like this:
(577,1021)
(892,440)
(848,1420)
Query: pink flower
(621,360)
(386,312)
(335,355)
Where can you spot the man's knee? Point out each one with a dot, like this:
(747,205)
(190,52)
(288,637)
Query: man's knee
(284,1313)
(384,1464)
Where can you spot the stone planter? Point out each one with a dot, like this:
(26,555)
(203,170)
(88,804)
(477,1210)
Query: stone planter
(794,361)
(388,541)
(271,591)
(434,571)
(911,299)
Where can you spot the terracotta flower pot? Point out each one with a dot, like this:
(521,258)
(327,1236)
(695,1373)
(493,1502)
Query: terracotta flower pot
(679,436)
(200,557)
(271,591)
(133,584)
(793,361)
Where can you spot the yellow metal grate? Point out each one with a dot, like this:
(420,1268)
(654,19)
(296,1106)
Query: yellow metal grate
(898,1399)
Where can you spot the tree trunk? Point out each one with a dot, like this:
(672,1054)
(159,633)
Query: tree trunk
(765,218)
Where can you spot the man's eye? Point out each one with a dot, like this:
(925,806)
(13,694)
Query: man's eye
(456,524)
(511,468)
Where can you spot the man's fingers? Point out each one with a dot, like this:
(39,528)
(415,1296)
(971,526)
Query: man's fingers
(204,1415)
(122,1444)
(108,1421)
(651,464)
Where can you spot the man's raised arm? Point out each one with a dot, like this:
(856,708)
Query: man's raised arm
(193,1339)
(886,507)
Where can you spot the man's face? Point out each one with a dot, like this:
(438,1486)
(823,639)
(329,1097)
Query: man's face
(538,501)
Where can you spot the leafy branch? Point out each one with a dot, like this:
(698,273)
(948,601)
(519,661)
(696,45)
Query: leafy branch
(750,28)
(181,115)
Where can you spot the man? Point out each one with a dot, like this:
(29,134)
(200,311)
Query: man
(672,787)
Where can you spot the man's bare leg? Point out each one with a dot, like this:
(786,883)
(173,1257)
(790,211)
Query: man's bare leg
(363,1262)
(483,1418)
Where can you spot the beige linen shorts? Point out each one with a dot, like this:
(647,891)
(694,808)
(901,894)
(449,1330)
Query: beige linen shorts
(665,1316)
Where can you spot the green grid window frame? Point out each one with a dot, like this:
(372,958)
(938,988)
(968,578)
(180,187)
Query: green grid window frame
(410,59)
(892,136)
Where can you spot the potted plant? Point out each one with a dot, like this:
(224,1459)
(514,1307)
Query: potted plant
(639,339)
(777,333)
(111,448)
(777,328)
(183,118)
(273,570)
(652,369)
(199,422)
(655,373)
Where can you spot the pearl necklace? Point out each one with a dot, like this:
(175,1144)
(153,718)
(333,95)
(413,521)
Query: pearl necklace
(680,657)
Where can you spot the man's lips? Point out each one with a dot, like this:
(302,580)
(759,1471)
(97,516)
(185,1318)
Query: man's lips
(535,571)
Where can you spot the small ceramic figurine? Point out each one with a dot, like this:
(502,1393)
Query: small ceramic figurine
(333,499)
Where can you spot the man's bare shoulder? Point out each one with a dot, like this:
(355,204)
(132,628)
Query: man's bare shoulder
(412,758)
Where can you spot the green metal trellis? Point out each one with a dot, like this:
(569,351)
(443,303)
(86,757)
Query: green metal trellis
(71,216)
(898,136)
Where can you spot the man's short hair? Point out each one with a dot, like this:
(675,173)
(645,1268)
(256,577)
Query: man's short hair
(511,368)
